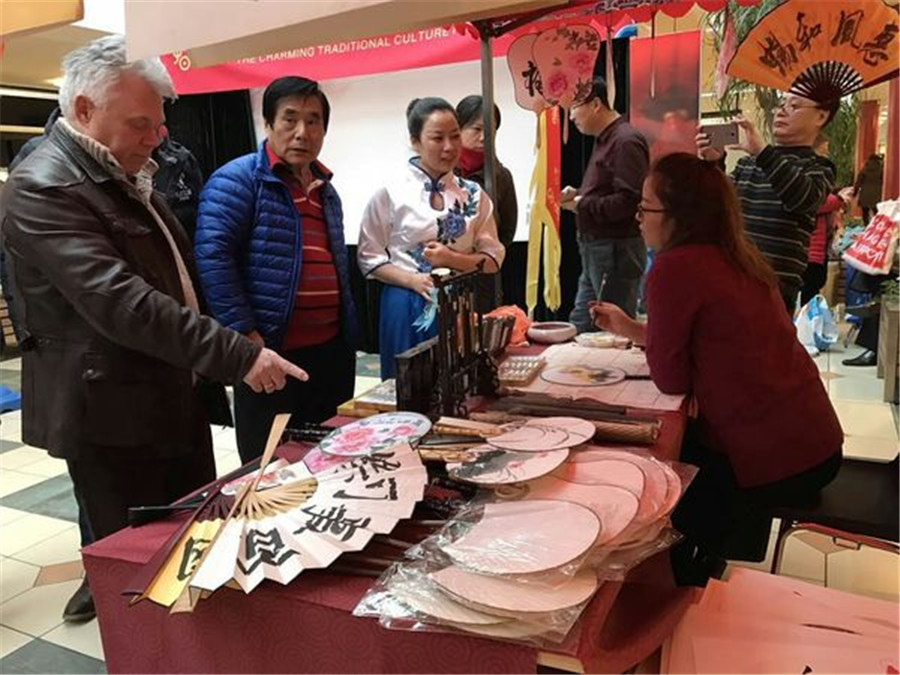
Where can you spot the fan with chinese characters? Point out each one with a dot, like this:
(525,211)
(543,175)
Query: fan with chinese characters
(821,50)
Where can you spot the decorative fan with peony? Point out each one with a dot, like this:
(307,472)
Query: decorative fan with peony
(553,67)
(821,50)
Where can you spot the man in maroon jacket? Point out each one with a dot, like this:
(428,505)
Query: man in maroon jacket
(613,255)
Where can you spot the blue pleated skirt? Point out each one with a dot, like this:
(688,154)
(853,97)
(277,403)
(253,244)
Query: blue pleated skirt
(400,307)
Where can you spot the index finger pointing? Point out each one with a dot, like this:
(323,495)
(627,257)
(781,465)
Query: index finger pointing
(295,372)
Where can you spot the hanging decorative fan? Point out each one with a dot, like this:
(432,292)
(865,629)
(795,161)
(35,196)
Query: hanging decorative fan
(554,67)
(527,83)
(821,50)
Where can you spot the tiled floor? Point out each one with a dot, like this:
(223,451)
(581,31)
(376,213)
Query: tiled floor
(40,565)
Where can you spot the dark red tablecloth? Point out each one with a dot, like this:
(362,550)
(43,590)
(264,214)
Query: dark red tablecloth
(307,626)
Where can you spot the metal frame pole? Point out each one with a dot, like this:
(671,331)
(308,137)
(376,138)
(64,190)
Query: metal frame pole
(487,97)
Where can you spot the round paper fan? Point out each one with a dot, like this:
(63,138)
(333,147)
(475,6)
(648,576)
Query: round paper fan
(493,466)
(511,598)
(583,376)
(525,537)
(375,433)
(615,506)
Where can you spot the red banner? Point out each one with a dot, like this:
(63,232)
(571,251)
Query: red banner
(405,51)
(381,54)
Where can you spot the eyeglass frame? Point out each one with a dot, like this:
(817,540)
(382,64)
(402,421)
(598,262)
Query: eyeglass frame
(783,105)
(641,210)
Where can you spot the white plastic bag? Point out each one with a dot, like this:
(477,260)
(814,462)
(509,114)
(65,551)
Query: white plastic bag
(816,328)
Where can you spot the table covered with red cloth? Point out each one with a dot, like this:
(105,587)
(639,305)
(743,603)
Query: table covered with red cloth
(307,626)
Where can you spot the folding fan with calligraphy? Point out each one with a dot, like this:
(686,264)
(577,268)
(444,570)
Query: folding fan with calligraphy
(284,519)
(309,520)
(821,50)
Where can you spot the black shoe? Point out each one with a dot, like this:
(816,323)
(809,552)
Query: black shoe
(867,358)
(80,606)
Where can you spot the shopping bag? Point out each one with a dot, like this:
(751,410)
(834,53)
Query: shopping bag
(873,251)
(816,328)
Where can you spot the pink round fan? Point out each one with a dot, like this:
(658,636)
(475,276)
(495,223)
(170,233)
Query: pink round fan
(565,57)
(371,434)
(511,630)
(604,472)
(673,493)
(545,433)
(493,466)
(615,506)
(583,376)
(429,600)
(509,597)
(526,79)
(532,439)
(656,484)
(581,430)
(525,537)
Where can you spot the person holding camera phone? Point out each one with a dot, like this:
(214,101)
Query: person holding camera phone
(781,185)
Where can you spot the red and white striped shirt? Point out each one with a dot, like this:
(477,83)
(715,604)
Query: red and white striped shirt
(316,318)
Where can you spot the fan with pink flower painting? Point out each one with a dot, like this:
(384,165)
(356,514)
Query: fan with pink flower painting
(375,433)
(554,67)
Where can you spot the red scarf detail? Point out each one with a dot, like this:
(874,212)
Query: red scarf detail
(470,161)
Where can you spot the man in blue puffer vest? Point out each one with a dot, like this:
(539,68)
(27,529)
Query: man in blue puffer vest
(273,262)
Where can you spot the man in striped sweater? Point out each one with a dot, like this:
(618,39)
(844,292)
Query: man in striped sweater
(782,186)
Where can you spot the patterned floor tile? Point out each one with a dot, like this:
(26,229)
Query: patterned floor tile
(8,515)
(56,574)
(16,577)
(22,457)
(52,497)
(12,482)
(82,637)
(39,656)
(11,640)
(28,531)
(64,547)
(38,609)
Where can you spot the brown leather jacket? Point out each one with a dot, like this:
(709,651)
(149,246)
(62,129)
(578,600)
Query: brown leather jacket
(110,346)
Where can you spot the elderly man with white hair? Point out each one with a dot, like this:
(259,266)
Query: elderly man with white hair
(118,356)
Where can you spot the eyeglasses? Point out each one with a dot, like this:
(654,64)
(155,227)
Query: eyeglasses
(790,106)
(641,210)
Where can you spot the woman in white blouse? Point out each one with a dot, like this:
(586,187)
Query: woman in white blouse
(429,219)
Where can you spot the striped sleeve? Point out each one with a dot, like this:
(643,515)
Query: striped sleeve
(801,184)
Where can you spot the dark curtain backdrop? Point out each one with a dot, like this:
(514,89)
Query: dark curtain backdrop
(215,127)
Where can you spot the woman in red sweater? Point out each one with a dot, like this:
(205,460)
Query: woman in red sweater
(766,433)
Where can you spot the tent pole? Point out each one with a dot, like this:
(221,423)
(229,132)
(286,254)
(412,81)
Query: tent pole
(487,96)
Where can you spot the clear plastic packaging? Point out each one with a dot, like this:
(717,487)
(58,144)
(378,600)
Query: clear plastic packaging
(424,596)
(631,492)
(537,541)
